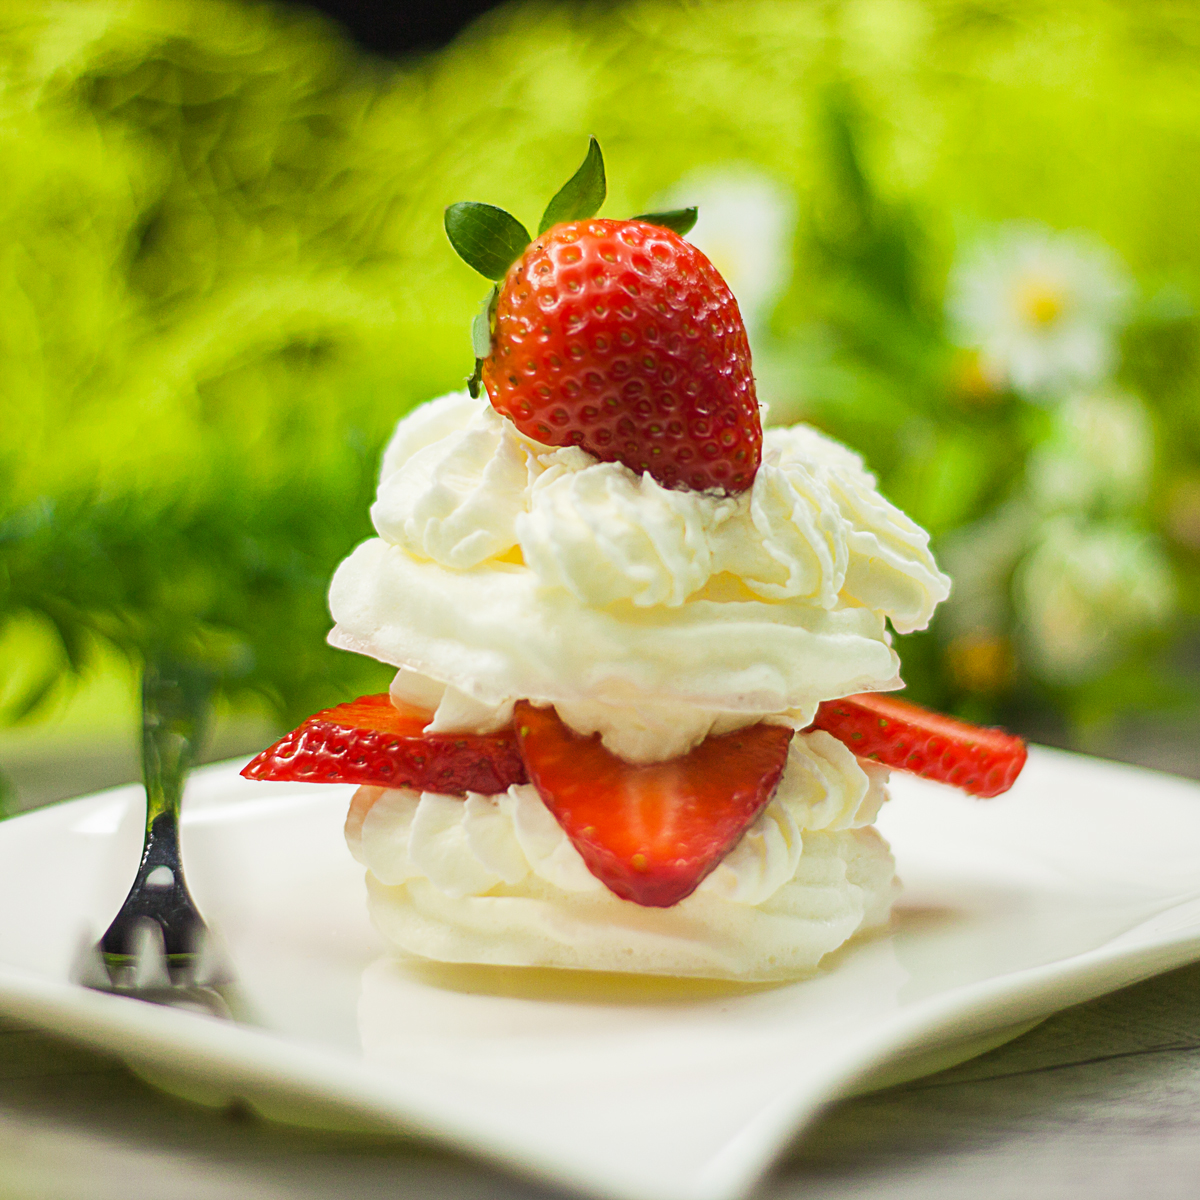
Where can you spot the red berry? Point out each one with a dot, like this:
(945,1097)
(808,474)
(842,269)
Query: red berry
(622,338)
(983,762)
(651,833)
(371,741)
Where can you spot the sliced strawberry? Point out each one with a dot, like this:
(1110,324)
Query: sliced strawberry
(983,762)
(651,833)
(372,741)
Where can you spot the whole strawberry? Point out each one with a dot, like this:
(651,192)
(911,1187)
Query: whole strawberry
(615,336)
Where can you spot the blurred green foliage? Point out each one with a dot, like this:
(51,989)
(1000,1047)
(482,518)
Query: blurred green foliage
(224,277)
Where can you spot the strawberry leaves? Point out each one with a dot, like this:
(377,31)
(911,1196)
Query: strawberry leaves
(485,237)
(490,240)
(582,195)
(678,220)
(481,339)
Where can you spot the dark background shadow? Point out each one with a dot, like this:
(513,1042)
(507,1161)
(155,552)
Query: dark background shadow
(394,28)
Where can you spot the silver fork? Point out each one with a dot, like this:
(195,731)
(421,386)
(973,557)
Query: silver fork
(158,947)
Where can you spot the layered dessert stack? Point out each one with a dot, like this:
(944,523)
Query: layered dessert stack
(634,724)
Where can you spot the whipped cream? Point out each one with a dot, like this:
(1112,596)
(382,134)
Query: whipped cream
(494,879)
(505,569)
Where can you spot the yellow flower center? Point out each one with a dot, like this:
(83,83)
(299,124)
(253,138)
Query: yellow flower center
(972,383)
(980,662)
(1040,302)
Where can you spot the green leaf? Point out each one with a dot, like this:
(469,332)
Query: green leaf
(481,326)
(680,220)
(486,238)
(481,339)
(581,196)
(31,698)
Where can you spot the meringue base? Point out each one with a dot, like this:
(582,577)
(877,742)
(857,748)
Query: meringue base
(844,884)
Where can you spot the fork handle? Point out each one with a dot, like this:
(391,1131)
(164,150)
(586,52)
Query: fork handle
(176,696)
(175,704)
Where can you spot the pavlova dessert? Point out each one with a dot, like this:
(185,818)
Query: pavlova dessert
(636,721)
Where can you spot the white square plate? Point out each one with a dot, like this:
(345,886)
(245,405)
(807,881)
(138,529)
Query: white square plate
(1085,877)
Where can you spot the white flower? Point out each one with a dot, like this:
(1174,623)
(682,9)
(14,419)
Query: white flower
(1083,590)
(1041,307)
(745,228)
(1099,456)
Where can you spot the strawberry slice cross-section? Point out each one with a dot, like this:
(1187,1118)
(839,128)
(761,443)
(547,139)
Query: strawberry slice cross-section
(372,741)
(651,833)
(983,762)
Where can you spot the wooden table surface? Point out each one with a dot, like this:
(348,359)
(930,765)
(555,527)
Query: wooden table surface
(1101,1101)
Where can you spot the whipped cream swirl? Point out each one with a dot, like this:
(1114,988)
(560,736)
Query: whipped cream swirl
(506,569)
